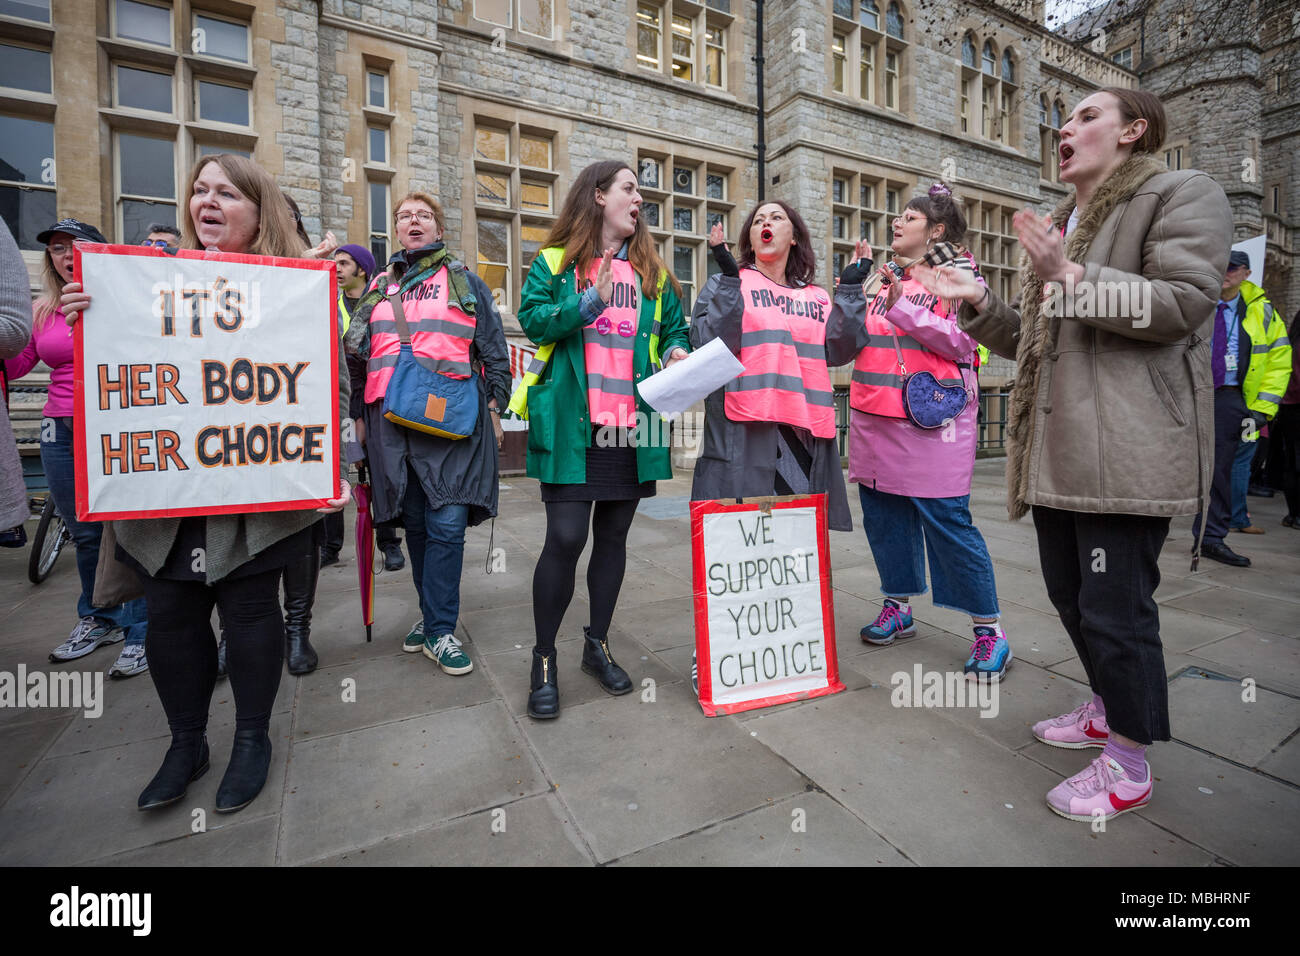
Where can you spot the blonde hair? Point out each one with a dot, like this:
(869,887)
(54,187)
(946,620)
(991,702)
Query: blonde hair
(47,303)
(429,201)
(276,234)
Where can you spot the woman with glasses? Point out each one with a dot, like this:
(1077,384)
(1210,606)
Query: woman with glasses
(606,313)
(433,486)
(914,483)
(52,344)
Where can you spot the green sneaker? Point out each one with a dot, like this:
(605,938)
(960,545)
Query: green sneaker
(446,653)
(414,642)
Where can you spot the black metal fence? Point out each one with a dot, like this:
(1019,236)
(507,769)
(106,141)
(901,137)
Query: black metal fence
(992,422)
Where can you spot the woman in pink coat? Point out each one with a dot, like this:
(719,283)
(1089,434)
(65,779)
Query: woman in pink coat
(914,482)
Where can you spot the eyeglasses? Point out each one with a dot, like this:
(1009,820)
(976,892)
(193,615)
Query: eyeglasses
(422,216)
(160,243)
(625,328)
(59,248)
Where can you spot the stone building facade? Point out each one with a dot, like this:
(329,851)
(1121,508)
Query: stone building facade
(495,105)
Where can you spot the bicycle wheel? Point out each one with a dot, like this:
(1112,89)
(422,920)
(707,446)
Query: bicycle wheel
(51,535)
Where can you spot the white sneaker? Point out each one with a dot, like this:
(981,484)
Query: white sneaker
(86,636)
(130,662)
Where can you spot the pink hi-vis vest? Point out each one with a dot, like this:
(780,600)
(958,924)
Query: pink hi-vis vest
(783,349)
(608,352)
(877,386)
(441,334)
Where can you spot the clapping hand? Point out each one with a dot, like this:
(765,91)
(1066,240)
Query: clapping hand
(605,276)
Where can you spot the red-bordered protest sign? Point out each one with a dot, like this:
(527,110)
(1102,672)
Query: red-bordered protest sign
(206,383)
(764,619)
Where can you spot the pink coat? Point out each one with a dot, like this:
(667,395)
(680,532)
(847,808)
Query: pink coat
(895,456)
(51,343)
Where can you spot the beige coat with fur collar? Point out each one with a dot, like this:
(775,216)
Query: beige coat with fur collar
(1113,406)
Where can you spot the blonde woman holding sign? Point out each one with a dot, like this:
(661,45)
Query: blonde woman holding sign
(231,205)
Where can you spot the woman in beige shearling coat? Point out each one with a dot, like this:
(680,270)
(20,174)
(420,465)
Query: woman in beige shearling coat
(1110,430)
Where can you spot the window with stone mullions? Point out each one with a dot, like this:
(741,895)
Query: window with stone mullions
(688,46)
(868,38)
(988,82)
(25,68)
(514,196)
(856,215)
(682,199)
(145,184)
(534,17)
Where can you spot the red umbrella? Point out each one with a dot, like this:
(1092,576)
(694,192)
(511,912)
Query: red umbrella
(365,548)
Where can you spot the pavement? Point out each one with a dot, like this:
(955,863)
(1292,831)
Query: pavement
(380,758)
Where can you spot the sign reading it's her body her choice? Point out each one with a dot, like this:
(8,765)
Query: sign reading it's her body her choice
(207,383)
(764,621)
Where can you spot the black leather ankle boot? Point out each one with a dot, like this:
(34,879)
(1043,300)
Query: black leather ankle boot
(300,578)
(597,662)
(543,687)
(250,759)
(186,760)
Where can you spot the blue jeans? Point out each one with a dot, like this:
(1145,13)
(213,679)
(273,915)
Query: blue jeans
(56,459)
(901,530)
(435,539)
(1240,482)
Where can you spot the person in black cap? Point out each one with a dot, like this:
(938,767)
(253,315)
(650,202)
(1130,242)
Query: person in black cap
(1230,367)
(52,343)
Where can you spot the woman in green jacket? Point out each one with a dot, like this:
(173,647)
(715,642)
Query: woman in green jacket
(594,445)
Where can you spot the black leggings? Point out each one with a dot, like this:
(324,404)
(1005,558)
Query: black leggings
(566,536)
(182,652)
(1286,432)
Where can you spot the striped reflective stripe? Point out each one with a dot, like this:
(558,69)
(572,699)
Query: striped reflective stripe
(1269,397)
(757,337)
(446,327)
(463,369)
(788,383)
(609,385)
(536,366)
(889,380)
(613,341)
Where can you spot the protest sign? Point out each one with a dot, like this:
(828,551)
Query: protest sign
(764,620)
(205,382)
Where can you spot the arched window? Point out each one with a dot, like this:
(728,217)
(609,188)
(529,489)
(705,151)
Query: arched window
(990,59)
(894,20)
(1057,109)
(968,51)
(1042,109)
(1008,67)
(869,14)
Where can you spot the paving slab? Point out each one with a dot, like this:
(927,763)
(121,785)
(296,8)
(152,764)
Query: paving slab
(920,786)
(108,823)
(1273,660)
(1212,715)
(633,774)
(534,831)
(805,830)
(353,789)
(390,688)
(658,625)
(1243,610)
(21,746)
(1284,762)
(228,841)
(1236,814)
(502,628)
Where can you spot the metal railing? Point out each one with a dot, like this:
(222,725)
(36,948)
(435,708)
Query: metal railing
(990,443)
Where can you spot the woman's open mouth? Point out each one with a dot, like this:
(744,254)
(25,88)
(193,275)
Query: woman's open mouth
(1066,152)
(766,235)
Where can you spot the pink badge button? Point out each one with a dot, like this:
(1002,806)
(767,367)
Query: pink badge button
(603,325)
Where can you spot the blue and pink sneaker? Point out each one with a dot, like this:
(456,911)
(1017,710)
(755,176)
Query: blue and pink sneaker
(1100,791)
(892,622)
(990,655)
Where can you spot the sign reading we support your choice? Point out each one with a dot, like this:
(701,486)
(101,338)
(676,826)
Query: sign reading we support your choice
(206,383)
(764,620)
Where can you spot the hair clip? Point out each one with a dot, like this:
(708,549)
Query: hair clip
(939,190)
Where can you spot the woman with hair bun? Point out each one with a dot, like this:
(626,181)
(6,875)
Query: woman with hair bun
(914,482)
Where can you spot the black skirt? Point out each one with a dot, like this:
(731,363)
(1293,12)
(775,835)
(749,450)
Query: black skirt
(192,534)
(611,476)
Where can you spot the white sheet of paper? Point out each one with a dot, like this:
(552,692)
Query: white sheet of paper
(705,370)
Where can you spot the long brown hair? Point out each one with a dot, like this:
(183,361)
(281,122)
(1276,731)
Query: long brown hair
(276,234)
(578,230)
(801,266)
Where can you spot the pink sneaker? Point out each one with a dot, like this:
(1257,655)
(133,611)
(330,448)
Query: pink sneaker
(1102,790)
(1081,727)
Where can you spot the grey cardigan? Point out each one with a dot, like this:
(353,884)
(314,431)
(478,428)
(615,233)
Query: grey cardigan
(231,539)
(15,330)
